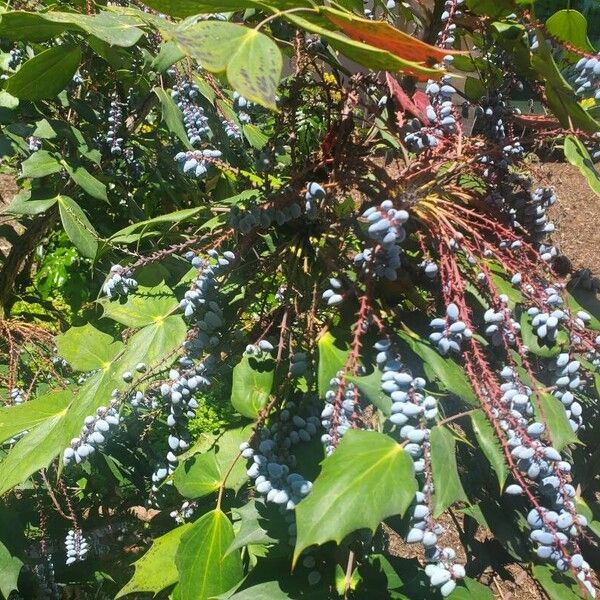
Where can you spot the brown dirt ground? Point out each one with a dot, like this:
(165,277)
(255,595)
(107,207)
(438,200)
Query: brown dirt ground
(576,216)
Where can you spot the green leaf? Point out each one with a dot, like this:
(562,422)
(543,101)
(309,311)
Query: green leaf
(254,519)
(172,117)
(135,232)
(10,567)
(550,410)
(87,348)
(27,26)
(26,416)
(87,182)
(40,164)
(472,590)
(252,60)
(570,26)
(445,370)
(39,447)
(147,305)
(269,590)
(252,384)
(531,340)
(446,482)
(22,205)
(256,138)
(8,101)
(199,477)
(558,586)
(78,227)
(367,479)
(560,95)
(205,570)
(576,154)
(114,29)
(44,130)
(370,389)
(575,307)
(156,570)
(255,69)
(167,56)
(46,74)
(331,360)
(489,444)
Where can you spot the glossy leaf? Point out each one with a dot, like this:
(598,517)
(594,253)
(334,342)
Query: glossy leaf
(447,485)
(40,164)
(252,60)
(87,348)
(46,74)
(252,528)
(489,444)
(156,570)
(146,306)
(364,54)
(269,590)
(205,570)
(27,26)
(22,205)
(198,477)
(87,182)
(471,590)
(380,34)
(552,411)
(78,227)
(367,479)
(10,567)
(445,370)
(577,154)
(331,360)
(172,116)
(558,586)
(252,384)
(26,416)
(370,390)
(570,26)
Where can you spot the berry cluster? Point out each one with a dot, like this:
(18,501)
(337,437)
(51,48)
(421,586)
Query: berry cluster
(386,228)
(76,546)
(500,326)
(34,143)
(585,77)
(196,162)
(115,123)
(341,406)
(567,383)
(450,332)
(16,56)
(186,95)
(273,461)
(119,283)
(93,433)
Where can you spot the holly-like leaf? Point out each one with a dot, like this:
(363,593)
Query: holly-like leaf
(198,477)
(489,444)
(46,74)
(78,227)
(447,485)
(146,306)
(577,154)
(570,26)
(251,59)
(252,384)
(205,569)
(156,570)
(87,348)
(367,479)
(331,360)
(10,567)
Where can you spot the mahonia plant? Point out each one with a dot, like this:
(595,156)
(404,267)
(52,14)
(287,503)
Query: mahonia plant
(345,258)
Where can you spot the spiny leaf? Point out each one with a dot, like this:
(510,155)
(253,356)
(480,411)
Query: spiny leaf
(205,570)
(368,478)
(447,485)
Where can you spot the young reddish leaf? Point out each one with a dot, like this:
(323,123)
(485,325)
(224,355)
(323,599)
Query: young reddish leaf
(403,102)
(382,35)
